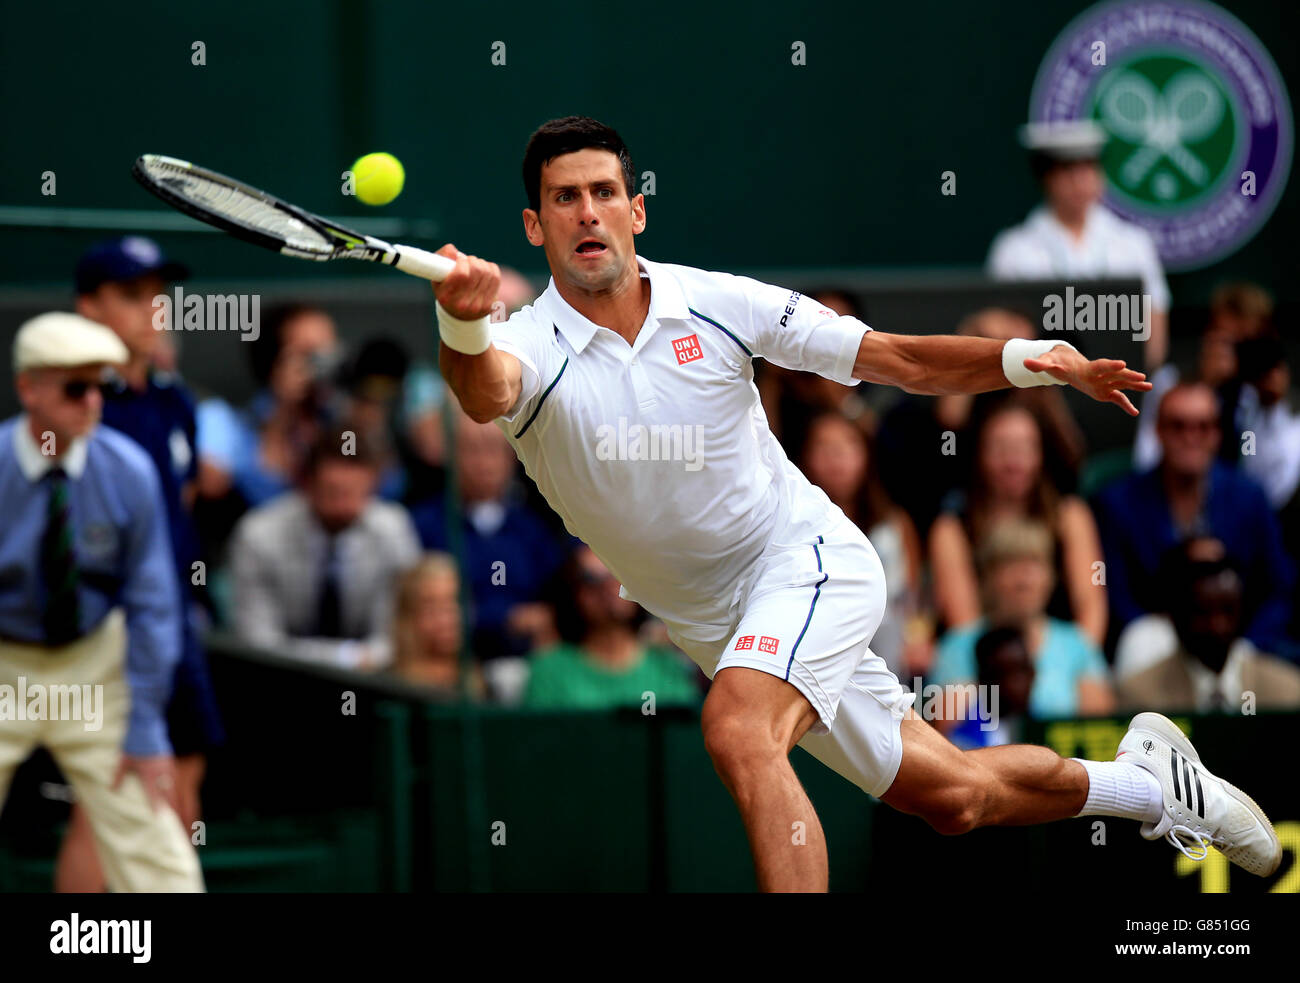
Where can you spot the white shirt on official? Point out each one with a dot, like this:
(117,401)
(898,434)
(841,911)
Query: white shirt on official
(679,524)
(1043,249)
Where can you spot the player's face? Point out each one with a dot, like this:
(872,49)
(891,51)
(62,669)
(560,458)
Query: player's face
(586,222)
(128,308)
(1011,454)
(65,402)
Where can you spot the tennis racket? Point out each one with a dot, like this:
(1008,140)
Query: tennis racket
(265,220)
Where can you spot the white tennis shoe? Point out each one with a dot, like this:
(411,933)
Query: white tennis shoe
(1200,810)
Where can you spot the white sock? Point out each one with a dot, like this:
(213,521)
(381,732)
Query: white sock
(1118,788)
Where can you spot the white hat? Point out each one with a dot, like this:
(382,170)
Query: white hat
(1074,139)
(62,339)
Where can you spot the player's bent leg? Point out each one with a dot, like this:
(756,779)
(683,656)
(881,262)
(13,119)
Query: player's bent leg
(956,791)
(751,720)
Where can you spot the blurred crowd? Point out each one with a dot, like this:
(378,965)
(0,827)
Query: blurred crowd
(351,515)
(335,504)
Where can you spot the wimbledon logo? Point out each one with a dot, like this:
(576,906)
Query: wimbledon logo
(1199,121)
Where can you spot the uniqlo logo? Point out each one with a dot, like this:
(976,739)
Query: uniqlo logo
(687,349)
(744,642)
(768,644)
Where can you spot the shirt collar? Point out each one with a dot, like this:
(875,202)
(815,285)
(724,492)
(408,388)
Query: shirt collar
(34,464)
(667,302)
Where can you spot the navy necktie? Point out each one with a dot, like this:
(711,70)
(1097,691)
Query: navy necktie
(329,619)
(61,617)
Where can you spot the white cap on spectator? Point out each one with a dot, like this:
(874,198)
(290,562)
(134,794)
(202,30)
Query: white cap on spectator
(1074,139)
(61,339)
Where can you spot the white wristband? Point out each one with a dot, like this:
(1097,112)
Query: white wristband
(468,337)
(1014,353)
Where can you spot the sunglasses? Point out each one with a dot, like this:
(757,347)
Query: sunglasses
(75,390)
(1190,425)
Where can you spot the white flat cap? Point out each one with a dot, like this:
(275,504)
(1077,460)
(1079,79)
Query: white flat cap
(62,339)
(1075,139)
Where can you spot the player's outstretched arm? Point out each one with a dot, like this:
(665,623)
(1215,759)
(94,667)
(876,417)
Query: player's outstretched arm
(941,365)
(486,381)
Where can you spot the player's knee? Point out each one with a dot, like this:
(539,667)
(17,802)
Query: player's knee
(736,744)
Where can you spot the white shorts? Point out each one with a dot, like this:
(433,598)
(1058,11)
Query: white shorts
(808,618)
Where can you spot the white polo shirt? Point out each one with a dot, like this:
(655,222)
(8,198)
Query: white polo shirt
(658,454)
(1043,249)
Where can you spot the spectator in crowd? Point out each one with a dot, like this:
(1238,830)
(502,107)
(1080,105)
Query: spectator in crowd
(1070,675)
(1239,312)
(937,423)
(508,552)
(838,458)
(314,570)
(258,452)
(1072,235)
(89,596)
(1009,481)
(372,382)
(1209,667)
(423,401)
(1267,427)
(602,663)
(792,398)
(1005,684)
(427,631)
(117,281)
(1191,493)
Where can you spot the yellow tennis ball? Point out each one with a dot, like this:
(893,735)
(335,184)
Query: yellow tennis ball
(378,178)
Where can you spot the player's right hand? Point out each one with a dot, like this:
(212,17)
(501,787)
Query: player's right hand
(471,289)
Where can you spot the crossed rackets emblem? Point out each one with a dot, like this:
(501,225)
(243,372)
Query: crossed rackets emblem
(1162,121)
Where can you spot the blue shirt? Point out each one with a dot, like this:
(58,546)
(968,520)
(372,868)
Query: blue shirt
(1137,527)
(1067,655)
(123,555)
(504,566)
(161,420)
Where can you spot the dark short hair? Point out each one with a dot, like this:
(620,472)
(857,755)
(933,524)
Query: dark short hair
(1180,569)
(567,136)
(993,641)
(339,444)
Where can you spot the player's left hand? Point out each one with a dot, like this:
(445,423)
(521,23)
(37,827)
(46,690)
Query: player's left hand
(1101,378)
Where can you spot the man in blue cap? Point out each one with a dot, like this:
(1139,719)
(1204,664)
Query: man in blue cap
(117,281)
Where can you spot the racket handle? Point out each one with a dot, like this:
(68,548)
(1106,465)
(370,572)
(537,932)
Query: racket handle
(422,263)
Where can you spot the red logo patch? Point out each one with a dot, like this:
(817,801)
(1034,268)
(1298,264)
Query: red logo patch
(768,644)
(687,349)
(744,642)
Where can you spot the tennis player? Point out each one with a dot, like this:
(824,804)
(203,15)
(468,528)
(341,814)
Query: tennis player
(627,391)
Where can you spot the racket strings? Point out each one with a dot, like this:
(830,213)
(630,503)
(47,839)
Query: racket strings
(239,206)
